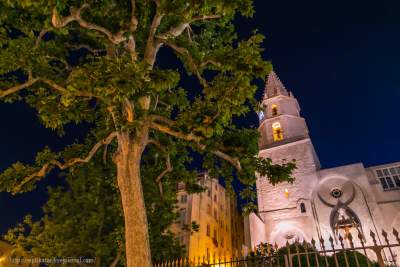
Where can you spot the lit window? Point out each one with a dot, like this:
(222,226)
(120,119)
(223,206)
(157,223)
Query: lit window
(277,131)
(286,193)
(274,110)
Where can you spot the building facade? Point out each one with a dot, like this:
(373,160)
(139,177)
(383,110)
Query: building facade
(321,202)
(216,212)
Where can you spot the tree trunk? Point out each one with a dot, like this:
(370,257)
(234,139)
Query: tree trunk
(127,159)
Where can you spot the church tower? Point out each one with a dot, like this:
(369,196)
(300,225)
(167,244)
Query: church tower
(286,208)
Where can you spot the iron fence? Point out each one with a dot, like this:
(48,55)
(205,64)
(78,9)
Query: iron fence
(342,251)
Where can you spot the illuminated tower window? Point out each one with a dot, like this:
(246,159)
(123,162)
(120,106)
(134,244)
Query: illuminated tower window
(277,131)
(274,110)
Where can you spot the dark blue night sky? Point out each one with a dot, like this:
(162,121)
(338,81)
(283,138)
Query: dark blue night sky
(341,61)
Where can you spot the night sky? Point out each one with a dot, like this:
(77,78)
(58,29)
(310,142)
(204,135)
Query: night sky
(341,61)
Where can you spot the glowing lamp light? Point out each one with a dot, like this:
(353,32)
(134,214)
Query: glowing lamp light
(286,193)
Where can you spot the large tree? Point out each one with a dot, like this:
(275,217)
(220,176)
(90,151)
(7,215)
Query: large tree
(83,218)
(96,61)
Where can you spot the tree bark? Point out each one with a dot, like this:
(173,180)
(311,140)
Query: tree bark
(127,159)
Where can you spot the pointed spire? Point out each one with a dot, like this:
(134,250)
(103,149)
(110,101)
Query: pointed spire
(274,86)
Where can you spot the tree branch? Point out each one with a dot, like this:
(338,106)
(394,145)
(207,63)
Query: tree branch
(232,160)
(162,119)
(94,51)
(156,143)
(46,168)
(205,17)
(186,54)
(116,259)
(152,46)
(134,20)
(75,15)
(31,81)
(40,36)
(180,135)
(162,174)
(177,30)
(197,140)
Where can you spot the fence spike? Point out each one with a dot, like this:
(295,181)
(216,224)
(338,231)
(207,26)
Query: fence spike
(350,238)
(305,246)
(372,234)
(384,234)
(315,251)
(344,250)
(296,245)
(333,249)
(361,239)
(396,234)
(323,250)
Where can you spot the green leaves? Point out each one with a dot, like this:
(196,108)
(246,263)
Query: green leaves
(96,65)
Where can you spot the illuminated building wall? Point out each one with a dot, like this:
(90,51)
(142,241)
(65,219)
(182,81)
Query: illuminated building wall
(221,225)
(321,202)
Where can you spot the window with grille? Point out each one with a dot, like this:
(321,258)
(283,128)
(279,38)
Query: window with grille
(183,198)
(389,177)
(183,217)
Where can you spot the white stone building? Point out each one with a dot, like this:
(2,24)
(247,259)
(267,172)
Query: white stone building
(321,202)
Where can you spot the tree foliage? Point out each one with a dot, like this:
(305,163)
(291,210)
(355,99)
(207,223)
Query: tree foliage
(96,61)
(84,218)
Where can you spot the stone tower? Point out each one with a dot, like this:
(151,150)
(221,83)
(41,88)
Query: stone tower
(286,209)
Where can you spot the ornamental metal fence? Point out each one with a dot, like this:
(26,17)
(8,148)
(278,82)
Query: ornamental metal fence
(342,251)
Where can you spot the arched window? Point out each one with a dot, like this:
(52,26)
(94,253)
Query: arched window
(277,131)
(274,110)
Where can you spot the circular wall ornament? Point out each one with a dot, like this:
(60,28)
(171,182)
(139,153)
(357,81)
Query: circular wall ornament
(335,189)
(336,192)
